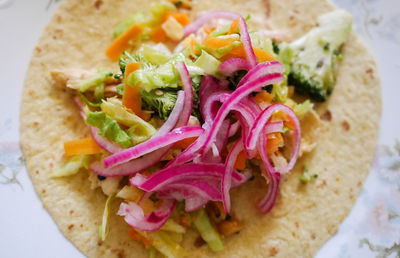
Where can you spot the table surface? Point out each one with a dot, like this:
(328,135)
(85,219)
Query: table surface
(371,230)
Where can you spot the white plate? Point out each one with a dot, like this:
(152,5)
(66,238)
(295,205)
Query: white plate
(372,228)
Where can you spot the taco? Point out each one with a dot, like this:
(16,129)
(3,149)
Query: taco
(141,126)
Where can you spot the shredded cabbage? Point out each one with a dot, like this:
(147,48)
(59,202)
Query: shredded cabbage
(220,52)
(109,128)
(72,166)
(103,229)
(172,226)
(208,63)
(302,109)
(96,80)
(161,101)
(153,77)
(164,244)
(155,56)
(139,130)
(139,17)
(208,232)
(130,193)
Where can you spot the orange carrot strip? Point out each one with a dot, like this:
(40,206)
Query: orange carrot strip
(122,42)
(208,30)
(158,34)
(275,140)
(263,56)
(131,98)
(182,18)
(234,27)
(81,147)
(216,43)
(183,144)
(263,96)
(240,163)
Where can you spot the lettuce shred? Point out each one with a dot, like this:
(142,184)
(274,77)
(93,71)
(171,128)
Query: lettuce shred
(103,228)
(72,166)
(208,232)
(109,128)
(139,130)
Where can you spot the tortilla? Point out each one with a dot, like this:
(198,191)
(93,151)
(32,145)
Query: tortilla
(305,216)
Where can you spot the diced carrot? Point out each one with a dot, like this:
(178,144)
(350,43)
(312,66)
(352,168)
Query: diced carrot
(183,144)
(274,141)
(80,147)
(182,18)
(208,29)
(234,27)
(263,56)
(131,98)
(122,42)
(216,43)
(240,163)
(158,34)
(263,96)
(237,52)
(229,227)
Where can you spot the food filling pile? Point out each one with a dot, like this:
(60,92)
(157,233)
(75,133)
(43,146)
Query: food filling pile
(192,107)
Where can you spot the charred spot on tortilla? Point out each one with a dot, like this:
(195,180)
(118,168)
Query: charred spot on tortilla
(98,4)
(345,125)
(327,115)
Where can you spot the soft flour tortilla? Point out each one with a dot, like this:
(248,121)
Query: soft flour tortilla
(304,217)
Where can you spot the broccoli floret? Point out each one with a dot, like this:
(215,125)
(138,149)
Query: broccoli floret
(125,59)
(162,101)
(275,47)
(314,56)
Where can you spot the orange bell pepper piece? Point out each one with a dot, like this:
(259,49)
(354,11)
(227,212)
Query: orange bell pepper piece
(81,147)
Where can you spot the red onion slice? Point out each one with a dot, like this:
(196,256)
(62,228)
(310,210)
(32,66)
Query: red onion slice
(259,125)
(194,26)
(245,38)
(200,188)
(188,89)
(171,175)
(230,66)
(234,128)
(152,145)
(214,155)
(261,70)
(189,153)
(235,98)
(268,202)
(227,178)
(129,168)
(104,143)
(195,203)
(274,127)
(153,221)
(173,117)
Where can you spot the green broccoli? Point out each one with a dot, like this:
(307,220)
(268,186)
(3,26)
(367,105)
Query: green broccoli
(314,56)
(162,101)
